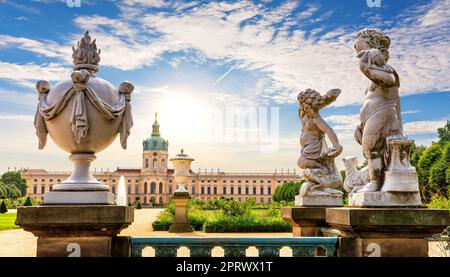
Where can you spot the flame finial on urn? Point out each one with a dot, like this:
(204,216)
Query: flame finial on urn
(85,55)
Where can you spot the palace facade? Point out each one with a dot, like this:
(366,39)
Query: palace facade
(154,183)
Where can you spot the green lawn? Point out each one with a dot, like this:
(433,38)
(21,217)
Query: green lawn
(7,221)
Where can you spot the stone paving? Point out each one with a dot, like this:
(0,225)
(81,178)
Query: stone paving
(18,243)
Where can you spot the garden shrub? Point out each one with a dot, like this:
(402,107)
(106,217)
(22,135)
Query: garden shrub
(3,208)
(439,202)
(244,224)
(163,222)
(28,202)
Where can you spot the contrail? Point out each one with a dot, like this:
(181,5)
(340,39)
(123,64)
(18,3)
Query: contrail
(223,76)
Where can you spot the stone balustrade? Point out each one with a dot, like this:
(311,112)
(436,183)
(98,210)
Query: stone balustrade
(235,247)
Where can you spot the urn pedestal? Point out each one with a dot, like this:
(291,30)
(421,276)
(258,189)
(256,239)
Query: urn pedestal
(182,166)
(78,230)
(181,223)
(385,232)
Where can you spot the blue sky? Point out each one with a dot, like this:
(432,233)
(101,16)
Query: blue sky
(188,58)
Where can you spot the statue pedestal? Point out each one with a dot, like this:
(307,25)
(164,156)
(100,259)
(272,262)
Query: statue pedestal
(181,223)
(385,232)
(385,199)
(77,230)
(329,200)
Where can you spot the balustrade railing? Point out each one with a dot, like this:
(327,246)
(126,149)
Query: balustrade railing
(236,247)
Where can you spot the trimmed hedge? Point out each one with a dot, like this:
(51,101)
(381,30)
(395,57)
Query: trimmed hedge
(163,222)
(245,224)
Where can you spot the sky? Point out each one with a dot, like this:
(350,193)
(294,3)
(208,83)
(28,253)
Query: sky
(200,63)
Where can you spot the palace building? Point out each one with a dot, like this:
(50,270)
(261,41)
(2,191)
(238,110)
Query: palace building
(153,184)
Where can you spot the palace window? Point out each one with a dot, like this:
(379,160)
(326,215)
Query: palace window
(254,190)
(202,189)
(155,164)
(160,187)
(269,190)
(51,180)
(43,180)
(42,189)
(268,181)
(129,189)
(145,188)
(224,190)
(163,163)
(153,188)
(35,180)
(59,180)
(113,189)
(261,190)
(232,190)
(51,188)
(113,181)
(136,189)
(262,200)
(35,189)
(224,181)
(232,181)
(209,190)
(254,181)
(193,189)
(246,181)
(246,190)
(239,181)
(239,190)
(215,190)
(261,181)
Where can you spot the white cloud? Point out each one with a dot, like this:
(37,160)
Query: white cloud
(423,127)
(244,33)
(25,74)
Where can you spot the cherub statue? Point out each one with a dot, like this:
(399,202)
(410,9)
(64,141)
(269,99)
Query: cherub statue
(380,114)
(317,160)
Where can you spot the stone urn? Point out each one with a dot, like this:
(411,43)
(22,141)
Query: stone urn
(182,164)
(83,116)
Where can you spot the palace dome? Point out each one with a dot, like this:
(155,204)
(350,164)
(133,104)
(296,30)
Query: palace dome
(155,142)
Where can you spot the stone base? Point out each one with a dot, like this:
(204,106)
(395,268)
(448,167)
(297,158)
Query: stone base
(386,232)
(400,181)
(385,199)
(305,221)
(180,228)
(331,200)
(77,230)
(79,197)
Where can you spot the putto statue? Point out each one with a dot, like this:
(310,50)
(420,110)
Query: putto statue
(380,132)
(83,116)
(323,180)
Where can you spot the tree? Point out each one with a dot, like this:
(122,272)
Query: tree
(287,191)
(438,172)
(28,202)
(14,178)
(3,208)
(138,206)
(444,133)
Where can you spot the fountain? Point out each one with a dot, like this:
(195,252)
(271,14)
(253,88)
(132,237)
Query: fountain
(121,198)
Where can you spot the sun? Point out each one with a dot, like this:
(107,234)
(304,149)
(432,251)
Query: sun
(183,116)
